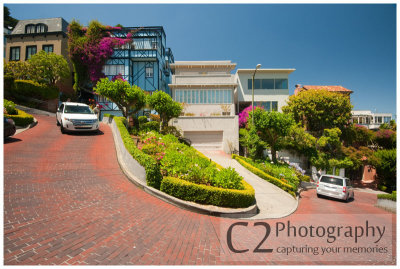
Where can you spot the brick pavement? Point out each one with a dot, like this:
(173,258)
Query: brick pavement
(67,202)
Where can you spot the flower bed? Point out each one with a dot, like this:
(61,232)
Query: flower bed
(257,169)
(158,155)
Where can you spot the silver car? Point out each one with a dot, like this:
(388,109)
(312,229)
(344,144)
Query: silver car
(335,187)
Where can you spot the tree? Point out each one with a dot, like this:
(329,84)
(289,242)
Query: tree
(273,127)
(250,140)
(17,69)
(385,164)
(48,68)
(319,109)
(357,136)
(8,20)
(300,141)
(386,138)
(165,106)
(129,99)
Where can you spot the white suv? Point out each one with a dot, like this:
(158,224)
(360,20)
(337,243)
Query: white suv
(76,117)
(336,187)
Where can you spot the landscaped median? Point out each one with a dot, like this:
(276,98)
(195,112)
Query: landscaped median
(176,169)
(387,201)
(19,117)
(245,162)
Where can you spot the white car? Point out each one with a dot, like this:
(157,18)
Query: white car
(336,187)
(76,117)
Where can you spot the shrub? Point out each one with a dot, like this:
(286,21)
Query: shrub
(227,178)
(207,194)
(8,83)
(386,138)
(171,130)
(33,89)
(142,120)
(153,175)
(150,126)
(385,165)
(388,196)
(10,107)
(277,182)
(22,118)
(155,117)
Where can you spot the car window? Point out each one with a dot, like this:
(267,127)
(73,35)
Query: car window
(78,110)
(348,182)
(61,107)
(332,180)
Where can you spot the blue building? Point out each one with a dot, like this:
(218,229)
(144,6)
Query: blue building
(145,62)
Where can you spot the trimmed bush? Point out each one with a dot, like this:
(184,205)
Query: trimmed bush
(202,194)
(10,107)
(8,83)
(206,158)
(29,88)
(150,126)
(388,196)
(22,118)
(153,174)
(277,182)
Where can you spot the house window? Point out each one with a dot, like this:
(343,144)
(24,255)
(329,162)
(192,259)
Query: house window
(203,96)
(274,106)
(30,29)
(154,45)
(48,48)
(15,53)
(30,50)
(378,119)
(387,119)
(41,28)
(149,72)
(114,69)
(268,84)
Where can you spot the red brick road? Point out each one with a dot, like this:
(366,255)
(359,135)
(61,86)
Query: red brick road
(66,201)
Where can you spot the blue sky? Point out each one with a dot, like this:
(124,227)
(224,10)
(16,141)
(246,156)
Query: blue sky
(330,44)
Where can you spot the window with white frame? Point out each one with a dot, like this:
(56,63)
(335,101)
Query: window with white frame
(202,96)
(114,69)
(149,72)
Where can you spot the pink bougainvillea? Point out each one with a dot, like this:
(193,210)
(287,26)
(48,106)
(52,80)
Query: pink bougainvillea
(244,115)
(119,76)
(90,48)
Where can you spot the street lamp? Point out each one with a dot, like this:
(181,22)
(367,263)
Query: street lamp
(252,93)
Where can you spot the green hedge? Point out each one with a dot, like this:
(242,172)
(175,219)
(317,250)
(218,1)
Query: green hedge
(153,174)
(22,119)
(388,196)
(203,194)
(29,88)
(10,107)
(284,186)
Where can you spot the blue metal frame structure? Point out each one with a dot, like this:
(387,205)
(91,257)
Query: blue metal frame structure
(147,51)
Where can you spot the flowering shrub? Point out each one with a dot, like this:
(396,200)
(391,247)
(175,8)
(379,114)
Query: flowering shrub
(89,49)
(244,116)
(154,147)
(386,138)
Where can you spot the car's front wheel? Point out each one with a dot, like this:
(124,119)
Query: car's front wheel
(62,128)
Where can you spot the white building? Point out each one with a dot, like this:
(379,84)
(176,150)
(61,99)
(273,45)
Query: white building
(271,88)
(369,119)
(207,90)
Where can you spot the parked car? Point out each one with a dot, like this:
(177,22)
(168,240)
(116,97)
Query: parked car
(9,127)
(76,117)
(335,186)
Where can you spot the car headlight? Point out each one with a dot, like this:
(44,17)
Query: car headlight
(67,119)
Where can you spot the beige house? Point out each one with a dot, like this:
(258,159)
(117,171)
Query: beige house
(30,36)
(207,90)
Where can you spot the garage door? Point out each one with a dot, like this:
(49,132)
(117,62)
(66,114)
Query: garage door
(205,139)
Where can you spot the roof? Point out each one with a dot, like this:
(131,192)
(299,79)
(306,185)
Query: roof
(203,64)
(271,70)
(330,88)
(53,25)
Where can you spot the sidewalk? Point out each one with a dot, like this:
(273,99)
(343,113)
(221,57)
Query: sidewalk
(272,201)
